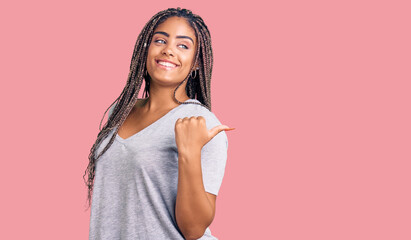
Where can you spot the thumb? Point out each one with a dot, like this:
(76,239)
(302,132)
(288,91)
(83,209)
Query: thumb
(215,130)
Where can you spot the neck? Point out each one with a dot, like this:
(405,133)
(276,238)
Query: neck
(161,98)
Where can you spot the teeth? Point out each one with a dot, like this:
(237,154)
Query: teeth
(167,64)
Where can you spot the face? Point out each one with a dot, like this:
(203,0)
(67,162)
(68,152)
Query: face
(171,51)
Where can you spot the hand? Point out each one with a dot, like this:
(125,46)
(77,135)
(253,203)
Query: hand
(192,134)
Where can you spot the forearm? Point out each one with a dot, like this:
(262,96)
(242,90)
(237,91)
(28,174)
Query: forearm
(193,209)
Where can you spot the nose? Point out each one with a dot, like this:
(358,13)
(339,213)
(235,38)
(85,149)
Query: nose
(168,51)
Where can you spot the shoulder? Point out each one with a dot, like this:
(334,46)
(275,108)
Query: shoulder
(111,109)
(212,120)
(139,102)
(193,109)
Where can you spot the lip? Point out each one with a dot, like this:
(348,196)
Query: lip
(165,60)
(164,67)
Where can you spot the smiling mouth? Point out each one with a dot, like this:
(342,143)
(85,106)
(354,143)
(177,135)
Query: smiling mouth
(166,65)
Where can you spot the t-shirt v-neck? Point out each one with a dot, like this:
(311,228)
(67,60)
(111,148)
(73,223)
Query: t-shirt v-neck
(153,124)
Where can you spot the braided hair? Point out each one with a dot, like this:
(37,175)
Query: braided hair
(196,88)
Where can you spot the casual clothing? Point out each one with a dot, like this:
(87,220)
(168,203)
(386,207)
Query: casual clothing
(135,186)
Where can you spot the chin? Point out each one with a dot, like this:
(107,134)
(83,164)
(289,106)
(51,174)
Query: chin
(166,79)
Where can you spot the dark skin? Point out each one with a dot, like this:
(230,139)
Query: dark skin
(174,40)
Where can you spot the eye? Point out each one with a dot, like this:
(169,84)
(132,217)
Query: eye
(185,47)
(159,40)
(162,41)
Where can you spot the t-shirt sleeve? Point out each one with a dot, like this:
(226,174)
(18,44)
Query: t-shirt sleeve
(214,157)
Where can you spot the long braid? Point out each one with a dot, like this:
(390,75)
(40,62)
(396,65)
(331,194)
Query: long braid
(196,88)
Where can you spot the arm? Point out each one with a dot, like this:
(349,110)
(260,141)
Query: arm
(195,208)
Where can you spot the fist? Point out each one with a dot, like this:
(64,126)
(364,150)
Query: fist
(191,134)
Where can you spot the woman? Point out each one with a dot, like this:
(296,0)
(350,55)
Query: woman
(158,163)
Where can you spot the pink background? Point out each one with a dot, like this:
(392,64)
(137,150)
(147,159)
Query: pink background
(318,91)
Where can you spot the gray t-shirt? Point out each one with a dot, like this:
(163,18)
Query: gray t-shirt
(135,185)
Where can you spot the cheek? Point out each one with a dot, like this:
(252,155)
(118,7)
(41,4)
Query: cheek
(153,51)
(150,58)
(150,54)
(189,60)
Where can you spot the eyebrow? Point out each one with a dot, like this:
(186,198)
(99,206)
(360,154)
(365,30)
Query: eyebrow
(178,36)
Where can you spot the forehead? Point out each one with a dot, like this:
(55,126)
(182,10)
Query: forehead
(176,26)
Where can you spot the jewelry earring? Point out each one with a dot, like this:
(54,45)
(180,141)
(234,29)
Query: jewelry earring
(195,74)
